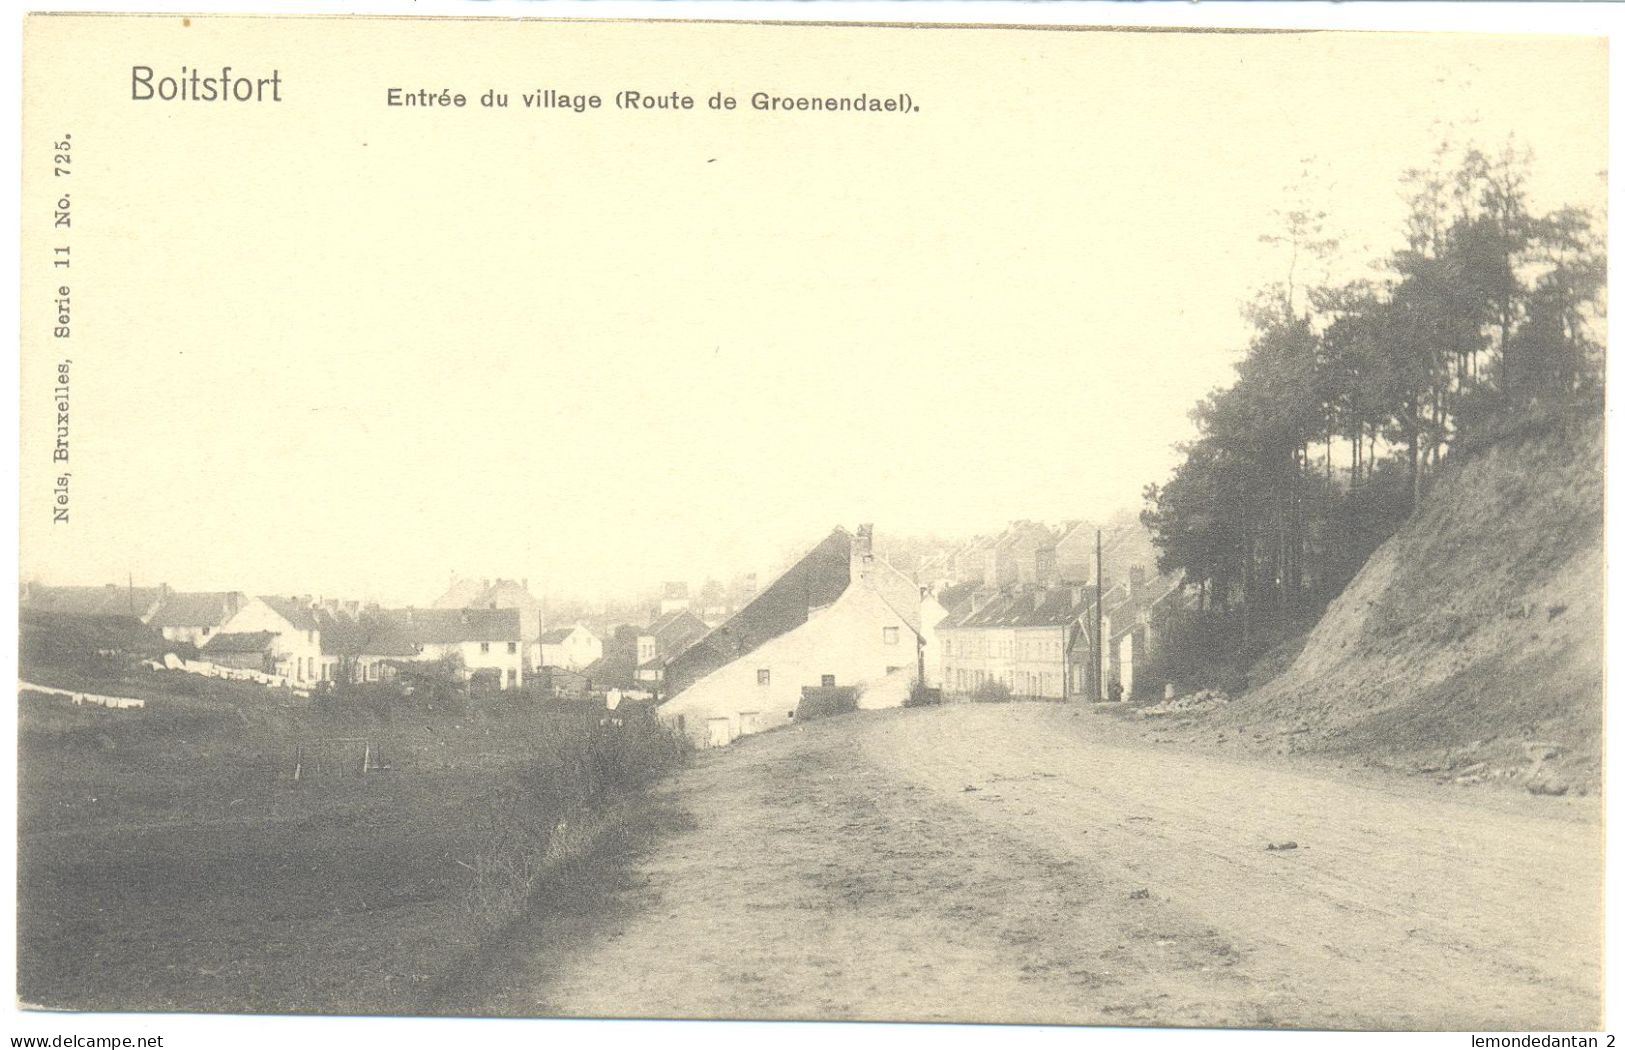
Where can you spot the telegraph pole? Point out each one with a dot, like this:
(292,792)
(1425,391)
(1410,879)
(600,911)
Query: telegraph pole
(1100,643)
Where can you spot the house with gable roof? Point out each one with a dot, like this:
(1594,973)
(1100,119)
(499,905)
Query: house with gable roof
(572,648)
(502,594)
(193,617)
(483,639)
(667,636)
(295,650)
(838,618)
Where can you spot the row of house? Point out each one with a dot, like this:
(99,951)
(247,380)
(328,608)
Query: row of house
(1039,641)
(841,618)
(306,641)
(1029,553)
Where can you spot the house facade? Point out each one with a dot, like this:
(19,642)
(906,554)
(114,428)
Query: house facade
(193,617)
(667,636)
(1023,554)
(839,618)
(572,648)
(502,594)
(295,651)
(1023,638)
(483,639)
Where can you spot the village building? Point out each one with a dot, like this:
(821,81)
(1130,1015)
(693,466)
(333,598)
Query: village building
(361,647)
(502,594)
(1075,553)
(107,602)
(1137,626)
(618,668)
(674,596)
(246,651)
(667,636)
(968,564)
(295,650)
(1023,554)
(483,640)
(69,623)
(192,617)
(839,618)
(1025,638)
(573,648)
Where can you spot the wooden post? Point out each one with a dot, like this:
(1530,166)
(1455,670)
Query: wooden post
(1097,692)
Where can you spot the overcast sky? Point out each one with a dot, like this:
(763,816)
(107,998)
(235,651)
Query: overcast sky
(333,347)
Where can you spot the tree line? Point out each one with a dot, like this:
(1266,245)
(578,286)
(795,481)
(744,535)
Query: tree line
(1350,395)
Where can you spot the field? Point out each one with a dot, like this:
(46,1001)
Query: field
(169,859)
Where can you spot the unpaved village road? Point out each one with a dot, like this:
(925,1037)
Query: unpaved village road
(1038,863)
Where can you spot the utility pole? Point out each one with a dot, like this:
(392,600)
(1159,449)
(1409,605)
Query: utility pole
(1100,643)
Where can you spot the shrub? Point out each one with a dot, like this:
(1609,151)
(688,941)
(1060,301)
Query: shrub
(991,691)
(921,695)
(547,811)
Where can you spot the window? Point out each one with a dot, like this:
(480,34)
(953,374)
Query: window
(206,631)
(513,647)
(828,681)
(485,647)
(889,634)
(764,676)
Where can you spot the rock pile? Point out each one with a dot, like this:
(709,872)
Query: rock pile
(1198,701)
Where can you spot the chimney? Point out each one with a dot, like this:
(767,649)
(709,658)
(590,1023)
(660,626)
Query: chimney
(1136,581)
(1045,566)
(863,552)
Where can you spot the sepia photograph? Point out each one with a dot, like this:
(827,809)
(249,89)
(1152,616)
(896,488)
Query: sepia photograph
(752,519)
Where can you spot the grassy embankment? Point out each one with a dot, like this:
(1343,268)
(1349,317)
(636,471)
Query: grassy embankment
(169,860)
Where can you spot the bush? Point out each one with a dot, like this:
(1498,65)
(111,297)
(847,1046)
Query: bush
(992,691)
(548,812)
(921,695)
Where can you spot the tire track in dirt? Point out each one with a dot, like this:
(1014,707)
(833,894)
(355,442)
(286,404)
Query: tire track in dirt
(842,870)
(1397,910)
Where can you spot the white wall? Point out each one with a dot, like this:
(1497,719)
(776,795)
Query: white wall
(495,658)
(579,648)
(931,614)
(298,652)
(846,640)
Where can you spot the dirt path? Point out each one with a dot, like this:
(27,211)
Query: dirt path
(1032,863)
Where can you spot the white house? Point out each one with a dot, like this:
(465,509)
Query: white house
(572,648)
(296,648)
(839,617)
(193,617)
(484,639)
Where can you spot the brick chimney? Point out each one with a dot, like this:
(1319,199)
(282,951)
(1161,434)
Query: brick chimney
(863,552)
(1136,581)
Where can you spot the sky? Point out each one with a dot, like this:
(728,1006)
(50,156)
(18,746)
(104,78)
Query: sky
(333,347)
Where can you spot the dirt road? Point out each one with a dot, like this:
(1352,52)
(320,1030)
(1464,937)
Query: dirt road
(1038,863)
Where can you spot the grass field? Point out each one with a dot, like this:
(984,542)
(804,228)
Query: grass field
(169,860)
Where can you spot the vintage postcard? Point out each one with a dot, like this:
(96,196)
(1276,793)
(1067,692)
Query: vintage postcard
(1034,525)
